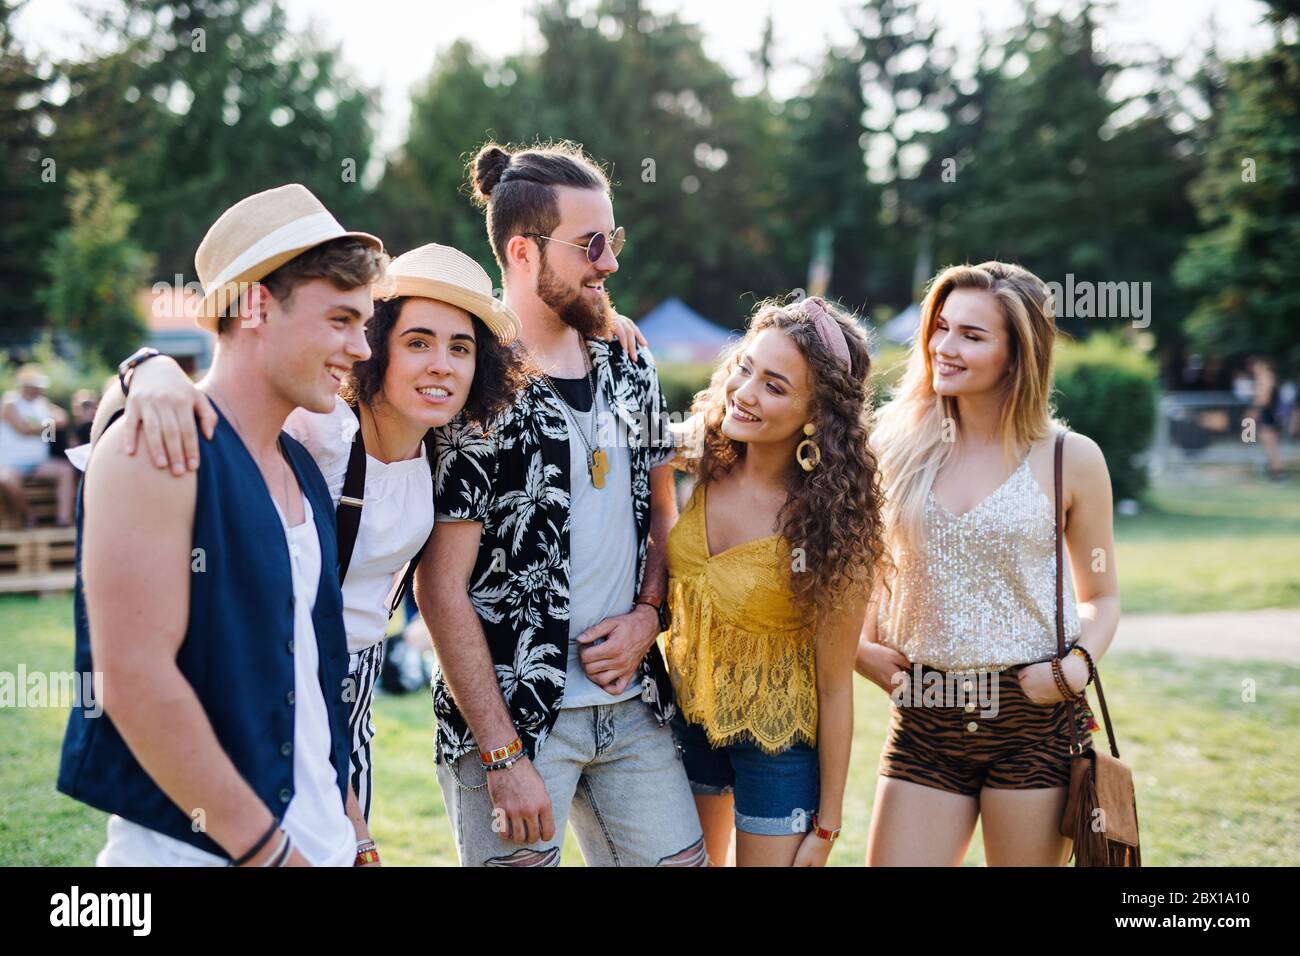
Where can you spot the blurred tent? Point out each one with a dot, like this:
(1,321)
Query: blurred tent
(677,333)
(901,329)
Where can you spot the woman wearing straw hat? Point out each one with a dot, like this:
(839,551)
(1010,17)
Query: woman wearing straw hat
(438,347)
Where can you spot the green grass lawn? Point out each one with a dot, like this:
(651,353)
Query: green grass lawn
(1216,776)
(1212,548)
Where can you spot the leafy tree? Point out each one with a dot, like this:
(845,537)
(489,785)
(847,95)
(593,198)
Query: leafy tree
(1046,174)
(688,156)
(206,101)
(1242,267)
(30,208)
(97,271)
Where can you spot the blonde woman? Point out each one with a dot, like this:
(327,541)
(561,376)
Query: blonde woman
(767,587)
(964,636)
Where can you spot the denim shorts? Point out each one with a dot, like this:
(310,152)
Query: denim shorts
(775,794)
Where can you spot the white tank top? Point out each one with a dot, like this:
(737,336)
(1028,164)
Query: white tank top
(316,818)
(25,451)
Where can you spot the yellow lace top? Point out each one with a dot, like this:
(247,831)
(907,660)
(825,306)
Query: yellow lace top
(740,653)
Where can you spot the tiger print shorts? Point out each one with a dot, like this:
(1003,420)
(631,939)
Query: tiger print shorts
(963,740)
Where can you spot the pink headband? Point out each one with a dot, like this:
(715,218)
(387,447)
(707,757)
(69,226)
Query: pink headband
(828,330)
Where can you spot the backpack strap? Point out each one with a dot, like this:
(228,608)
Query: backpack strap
(347,517)
(408,576)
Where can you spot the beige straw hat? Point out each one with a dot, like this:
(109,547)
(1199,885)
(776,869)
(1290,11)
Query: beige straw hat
(31,376)
(256,236)
(448,275)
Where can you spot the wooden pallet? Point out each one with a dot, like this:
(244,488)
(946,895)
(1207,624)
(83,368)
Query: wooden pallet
(42,497)
(37,559)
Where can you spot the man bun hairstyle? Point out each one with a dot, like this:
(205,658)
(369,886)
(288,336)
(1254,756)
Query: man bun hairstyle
(489,164)
(517,189)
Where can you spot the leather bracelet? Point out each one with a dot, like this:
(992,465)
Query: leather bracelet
(282,853)
(821,831)
(137,358)
(501,753)
(257,847)
(660,608)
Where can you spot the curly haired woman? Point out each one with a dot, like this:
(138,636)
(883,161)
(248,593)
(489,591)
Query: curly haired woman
(764,627)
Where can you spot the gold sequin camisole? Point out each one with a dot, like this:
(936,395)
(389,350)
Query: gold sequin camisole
(980,592)
(740,653)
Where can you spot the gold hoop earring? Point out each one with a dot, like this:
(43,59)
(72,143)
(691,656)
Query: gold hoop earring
(812,461)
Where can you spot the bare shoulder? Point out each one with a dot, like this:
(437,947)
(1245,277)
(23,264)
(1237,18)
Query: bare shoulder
(1084,470)
(130,484)
(1083,456)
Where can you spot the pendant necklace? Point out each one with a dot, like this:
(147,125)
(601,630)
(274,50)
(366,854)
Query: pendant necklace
(597,460)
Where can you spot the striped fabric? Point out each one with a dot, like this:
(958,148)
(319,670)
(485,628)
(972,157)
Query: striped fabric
(364,670)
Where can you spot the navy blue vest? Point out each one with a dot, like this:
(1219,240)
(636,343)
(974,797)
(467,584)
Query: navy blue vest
(238,649)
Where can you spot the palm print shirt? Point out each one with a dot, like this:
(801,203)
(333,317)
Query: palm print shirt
(514,478)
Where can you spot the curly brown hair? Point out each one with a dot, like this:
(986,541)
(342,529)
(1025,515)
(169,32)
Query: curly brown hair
(498,369)
(833,512)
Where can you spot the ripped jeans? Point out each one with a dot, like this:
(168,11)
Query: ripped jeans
(612,772)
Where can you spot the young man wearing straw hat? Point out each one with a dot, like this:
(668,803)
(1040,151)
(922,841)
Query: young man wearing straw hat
(440,348)
(552,699)
(209,603)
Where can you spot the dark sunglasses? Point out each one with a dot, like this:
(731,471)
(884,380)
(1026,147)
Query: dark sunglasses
(595,246)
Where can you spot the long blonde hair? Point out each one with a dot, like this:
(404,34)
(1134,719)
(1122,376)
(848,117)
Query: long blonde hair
(909,435)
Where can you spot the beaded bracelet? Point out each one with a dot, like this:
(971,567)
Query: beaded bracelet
(1058,675)
(1092,668)
(503,764)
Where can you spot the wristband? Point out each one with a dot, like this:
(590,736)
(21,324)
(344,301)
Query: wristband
(257,847)
(821,831)
(367,852)
(127,367)
(660,608)
(501,753)
(281,855)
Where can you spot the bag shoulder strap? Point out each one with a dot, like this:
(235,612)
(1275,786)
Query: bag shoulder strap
(1060,609)
(408,576)
(347,517)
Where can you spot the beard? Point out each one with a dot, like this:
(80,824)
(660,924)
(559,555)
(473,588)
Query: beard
(592,319)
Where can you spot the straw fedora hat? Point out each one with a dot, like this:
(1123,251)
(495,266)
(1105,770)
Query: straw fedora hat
(256,236)
(448,275)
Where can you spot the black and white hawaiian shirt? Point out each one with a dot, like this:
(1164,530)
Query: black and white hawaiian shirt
(514,478)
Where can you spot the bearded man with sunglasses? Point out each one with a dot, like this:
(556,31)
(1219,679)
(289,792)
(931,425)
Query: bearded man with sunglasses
(547,585)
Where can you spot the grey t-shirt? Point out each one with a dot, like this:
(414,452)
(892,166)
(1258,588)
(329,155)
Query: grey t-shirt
(602,548)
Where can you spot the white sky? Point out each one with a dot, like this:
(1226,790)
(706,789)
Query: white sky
(392,44)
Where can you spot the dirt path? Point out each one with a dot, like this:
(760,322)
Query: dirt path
(1272,634)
